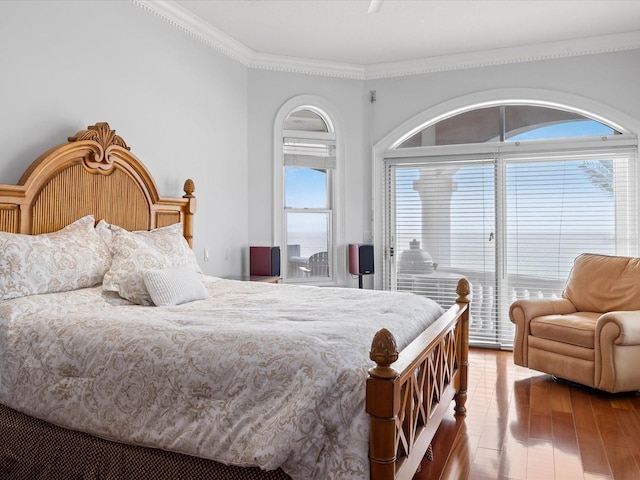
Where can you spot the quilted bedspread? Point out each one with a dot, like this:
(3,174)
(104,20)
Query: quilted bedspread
(256,375)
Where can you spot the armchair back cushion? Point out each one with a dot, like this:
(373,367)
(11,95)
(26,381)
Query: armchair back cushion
(603,283)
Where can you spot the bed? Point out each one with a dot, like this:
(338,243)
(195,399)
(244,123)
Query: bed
(77,414)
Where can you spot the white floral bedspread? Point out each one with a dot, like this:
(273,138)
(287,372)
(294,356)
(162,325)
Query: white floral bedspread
(259,374)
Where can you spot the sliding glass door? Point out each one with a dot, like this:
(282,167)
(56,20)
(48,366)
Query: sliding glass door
(511,221)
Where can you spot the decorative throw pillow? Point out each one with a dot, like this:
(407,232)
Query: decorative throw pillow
(169,239)
(71,258)
(173,286)
(134,252)
(171,242)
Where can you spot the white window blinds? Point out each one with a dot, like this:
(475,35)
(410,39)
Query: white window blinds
(308,152)
(511,222)
(560,205)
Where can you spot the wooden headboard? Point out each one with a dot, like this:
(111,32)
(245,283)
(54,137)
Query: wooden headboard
(93,173)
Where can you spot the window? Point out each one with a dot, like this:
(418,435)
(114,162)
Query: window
(507,123)
(307,217)
(508,198)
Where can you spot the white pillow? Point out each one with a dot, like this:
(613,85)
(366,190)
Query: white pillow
(71,258)
(173,286)
(134,252)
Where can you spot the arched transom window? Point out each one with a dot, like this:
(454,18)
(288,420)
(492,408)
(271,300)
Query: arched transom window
(508,123)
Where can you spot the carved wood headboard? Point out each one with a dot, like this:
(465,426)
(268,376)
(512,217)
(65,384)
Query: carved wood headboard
(93,173)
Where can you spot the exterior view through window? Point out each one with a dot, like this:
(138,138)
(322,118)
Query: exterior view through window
(507,197)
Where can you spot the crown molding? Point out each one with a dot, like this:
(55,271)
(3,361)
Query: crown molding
(503,56)
(193,25)
(307,66)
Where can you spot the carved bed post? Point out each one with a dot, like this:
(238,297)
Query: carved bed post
(382,405)
(463,290)
(187,223)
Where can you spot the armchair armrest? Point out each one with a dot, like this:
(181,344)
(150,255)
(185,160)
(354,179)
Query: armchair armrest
(622,327)
(617,349)
(525,310)
(522,311)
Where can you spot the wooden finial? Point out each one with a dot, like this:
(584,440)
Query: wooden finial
(384,352)
(463,290)
(189,188)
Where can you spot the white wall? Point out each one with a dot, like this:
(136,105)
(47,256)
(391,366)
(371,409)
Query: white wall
(610,79)
(268,91)
(178,104)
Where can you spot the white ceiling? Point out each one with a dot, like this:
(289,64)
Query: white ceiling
(342,32)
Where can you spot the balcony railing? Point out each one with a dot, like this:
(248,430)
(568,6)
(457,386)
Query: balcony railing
(440,285)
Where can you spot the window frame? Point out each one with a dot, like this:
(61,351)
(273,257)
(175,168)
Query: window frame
(617,148)
(335,187)
(388,149)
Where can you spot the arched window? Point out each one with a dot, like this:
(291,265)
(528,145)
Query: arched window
(506,195)
(307,194)
(507,123)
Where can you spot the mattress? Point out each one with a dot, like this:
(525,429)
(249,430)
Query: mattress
(257,375)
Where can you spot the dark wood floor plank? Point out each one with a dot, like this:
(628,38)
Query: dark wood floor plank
(622,402)
(513,459)
(595,476)
(486,463)
(594,457)
(540,460)
(614,440)
(448,432)
(540,409)
(458,467)
(566,453)
(523,425)
(519,419)
(560,397)
(629,421)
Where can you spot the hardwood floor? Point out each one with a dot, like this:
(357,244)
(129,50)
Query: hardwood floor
(522,424)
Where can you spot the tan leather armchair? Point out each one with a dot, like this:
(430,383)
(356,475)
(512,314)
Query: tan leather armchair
(592,334)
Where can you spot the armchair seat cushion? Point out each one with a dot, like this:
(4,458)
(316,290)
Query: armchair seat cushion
(575,328)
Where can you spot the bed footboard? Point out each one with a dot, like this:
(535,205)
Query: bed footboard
(409,392)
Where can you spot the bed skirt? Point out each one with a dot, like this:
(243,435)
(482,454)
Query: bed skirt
(34,449)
